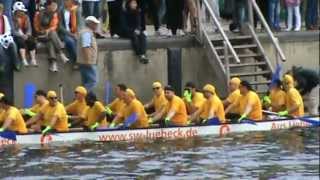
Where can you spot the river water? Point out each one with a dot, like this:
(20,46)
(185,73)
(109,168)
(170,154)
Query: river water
(285,154)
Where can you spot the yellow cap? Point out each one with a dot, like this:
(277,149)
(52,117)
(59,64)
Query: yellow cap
(156,85)
(51,94)
(1,95)
(236,81)
(288,79)
(130,92)
(81,90)
(209,88)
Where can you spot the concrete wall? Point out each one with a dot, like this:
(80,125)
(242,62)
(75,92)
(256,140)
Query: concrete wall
(117,64)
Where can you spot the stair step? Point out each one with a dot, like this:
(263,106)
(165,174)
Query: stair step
(249,55)
(231,38)
(239,46)
(248,64)
(260,82)
(260,73)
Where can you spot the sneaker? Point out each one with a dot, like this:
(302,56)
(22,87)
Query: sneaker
(169,34)
(53,67)
(180,32)
(297,29)
(288,29)
(25,62)
(144,59)
(115,36)
(145,33)
(34,62)
(64,58)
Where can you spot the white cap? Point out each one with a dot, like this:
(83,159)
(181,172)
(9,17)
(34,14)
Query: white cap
(92,19)
(19,6)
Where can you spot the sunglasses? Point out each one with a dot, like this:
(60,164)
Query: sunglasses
(156,88)
(53,98)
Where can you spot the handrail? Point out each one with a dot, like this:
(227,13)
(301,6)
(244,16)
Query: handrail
(267,28)
(224,36)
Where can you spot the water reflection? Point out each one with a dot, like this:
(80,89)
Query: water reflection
(263,155)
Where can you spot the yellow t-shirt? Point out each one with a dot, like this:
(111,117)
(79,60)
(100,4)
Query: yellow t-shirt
(136,107)
(116,105)
(213,104)
(1,114)
(92,114)
(198,100)
(159,102)
(37,107)
(253,99)
(233,98)
(294,98)
(77,108)
(18,124)
(59,111)
(178,105)
(278,99)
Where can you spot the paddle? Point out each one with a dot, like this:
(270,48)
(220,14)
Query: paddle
(305,119)
(29,91)
(130,120)
(8,135)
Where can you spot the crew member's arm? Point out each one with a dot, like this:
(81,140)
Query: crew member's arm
(149,104)
(6,124)
(158,115)
(34,119)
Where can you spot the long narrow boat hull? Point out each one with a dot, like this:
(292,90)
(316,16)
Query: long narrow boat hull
(155,133)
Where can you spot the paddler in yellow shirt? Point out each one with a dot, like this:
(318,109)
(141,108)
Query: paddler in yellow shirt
(277,97)
(234,94)
(77,109)
(133,106)
(192,98)
(95,115)
(1,110)
(52,116)
(117,104)
(11,117)
(175,113)
(159,101)
(294,102)
(249,103)
(40,101)
(211,108)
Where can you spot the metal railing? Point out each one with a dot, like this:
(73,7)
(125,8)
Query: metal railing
(254,6)
(220,30)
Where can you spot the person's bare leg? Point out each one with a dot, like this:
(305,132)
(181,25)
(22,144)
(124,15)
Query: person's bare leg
(23,57)
(33,58)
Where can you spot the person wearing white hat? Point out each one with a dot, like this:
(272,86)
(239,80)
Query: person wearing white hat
(88,53)
(22,33)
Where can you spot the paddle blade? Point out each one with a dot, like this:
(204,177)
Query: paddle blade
(313,121)
(130,120)
(29,91)
(8,135)
(213,121)
(248,121)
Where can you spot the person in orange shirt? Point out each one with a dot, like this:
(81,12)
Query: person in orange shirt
(46,23)
(115,107)
(234,94)
(212,107)
(41,100)
(193,99)
(133,106)
(294,102)
(11,118)
(175,113)
(95,115)
(277,100)
(249,103)
(159,101)
(76,110)
(52,116)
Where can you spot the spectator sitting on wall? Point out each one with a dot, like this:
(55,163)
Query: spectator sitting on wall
(132,30)
(69,27)
(8,49)
(22,33)
(88,54)
(46,25)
